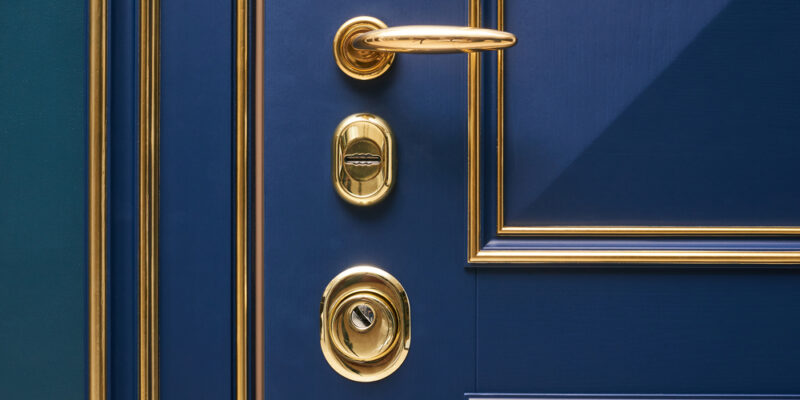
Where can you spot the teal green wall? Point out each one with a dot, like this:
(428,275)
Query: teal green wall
(43,317)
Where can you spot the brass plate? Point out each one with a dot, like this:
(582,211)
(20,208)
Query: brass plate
(362,160)
(365,324)
(360,64)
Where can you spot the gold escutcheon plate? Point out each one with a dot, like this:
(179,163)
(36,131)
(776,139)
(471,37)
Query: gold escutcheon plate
(362,159)
(356,63)
(374,345)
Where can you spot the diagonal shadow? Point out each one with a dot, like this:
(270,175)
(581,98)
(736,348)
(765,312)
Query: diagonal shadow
(713,140)
(582,64)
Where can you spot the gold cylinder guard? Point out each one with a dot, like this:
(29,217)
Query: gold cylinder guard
(362,159)
(365,324)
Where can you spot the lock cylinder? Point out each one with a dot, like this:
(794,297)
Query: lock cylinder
(364,327)
(365,324)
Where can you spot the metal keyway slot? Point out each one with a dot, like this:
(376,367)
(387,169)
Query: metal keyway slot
(364,327)
(363,159)
(362,317)
(365,324)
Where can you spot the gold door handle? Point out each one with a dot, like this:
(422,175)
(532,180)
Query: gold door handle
(364,47)
(434,39)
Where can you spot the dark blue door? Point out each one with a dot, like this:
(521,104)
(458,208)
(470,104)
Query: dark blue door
(606,210)
(612,209)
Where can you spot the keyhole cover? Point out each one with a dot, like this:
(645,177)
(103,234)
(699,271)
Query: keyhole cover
(365,324)
(362,160)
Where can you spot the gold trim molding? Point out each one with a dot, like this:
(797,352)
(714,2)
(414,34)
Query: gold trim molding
(149,131)
(258,203)
(242,197)
(98,29)
(476,254)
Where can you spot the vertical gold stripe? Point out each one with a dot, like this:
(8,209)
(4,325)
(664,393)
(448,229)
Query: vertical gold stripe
(258,200)
(473,129)
(97,198)
(500,119)
(241,198)
(149,104)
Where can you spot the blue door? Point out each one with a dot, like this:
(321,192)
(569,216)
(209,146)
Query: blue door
(474,199)
(608,208)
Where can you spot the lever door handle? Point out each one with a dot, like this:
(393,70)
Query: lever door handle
(364,47)
(434,39)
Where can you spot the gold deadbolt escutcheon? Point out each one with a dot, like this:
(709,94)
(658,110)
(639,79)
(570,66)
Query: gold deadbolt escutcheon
(363,159)
(365,324)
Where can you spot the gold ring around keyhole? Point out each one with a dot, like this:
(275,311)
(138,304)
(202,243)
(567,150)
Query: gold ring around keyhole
(361,352)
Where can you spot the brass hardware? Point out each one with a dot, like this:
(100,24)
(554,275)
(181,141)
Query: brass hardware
(242,191)
(434,39)
(359,64)
(258,352)
(363,337)
(97,345)
(364,47)
(363,159)
(365,324)
(149,156)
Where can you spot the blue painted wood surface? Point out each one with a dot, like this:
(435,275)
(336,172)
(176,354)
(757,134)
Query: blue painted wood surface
(195,288)
(43,201)
(418,232)
(195,279)
(628,112)
(698,95)
(636,331)
(123,276)
(656,77)
(707,138)
(473,330)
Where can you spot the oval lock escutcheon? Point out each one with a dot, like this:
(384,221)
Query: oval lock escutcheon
(365,324)
(363,162)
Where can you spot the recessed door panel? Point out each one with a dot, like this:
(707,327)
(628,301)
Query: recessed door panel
(650,113)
